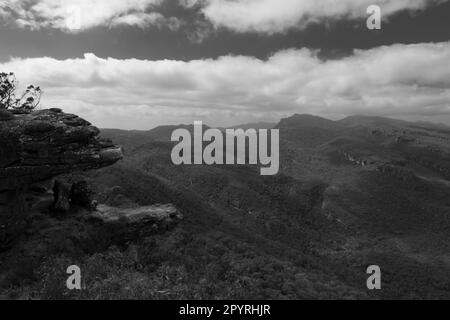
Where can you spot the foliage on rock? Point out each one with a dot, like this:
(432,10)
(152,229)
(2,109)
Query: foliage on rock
(9,100)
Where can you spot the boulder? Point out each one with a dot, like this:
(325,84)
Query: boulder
(81,195)
(129,224)
(61,192)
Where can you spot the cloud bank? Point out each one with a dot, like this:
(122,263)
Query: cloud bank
(274,16)
(399,80)
(36,14)
(261,16)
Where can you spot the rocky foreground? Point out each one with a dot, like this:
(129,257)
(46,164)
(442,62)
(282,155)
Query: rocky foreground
(37,152)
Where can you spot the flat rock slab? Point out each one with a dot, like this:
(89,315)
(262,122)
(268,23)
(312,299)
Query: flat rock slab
(154,213)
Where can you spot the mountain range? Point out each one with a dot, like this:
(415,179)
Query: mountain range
(350,194)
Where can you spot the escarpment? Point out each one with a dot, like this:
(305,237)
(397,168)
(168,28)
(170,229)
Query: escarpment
(46,143)
(34,149)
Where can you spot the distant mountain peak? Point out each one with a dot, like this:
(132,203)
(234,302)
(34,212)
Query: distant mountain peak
(255,125)
(307,120)
(364,120)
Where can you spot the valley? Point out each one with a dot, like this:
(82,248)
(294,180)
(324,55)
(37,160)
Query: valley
(352,193)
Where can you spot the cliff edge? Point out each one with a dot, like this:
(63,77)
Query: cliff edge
(35,148)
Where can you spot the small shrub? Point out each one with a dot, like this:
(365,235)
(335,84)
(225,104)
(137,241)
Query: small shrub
(24,103)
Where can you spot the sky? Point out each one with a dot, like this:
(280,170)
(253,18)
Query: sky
(137,64)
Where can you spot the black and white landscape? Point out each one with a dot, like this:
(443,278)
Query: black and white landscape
(360,206)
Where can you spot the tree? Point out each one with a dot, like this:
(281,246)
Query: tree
(25,103)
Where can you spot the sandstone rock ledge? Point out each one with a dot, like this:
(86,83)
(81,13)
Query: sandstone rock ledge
(47,143)
(37,147)
(146,214)
(123,225)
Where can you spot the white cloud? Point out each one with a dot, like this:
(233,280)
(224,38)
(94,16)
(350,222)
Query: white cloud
(400,80)
(263,16)
(274,16)
(37,14)
(144,20)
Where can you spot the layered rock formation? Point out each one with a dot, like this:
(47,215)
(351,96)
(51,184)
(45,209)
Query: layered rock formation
(37,147)
(127,225)
(47,143)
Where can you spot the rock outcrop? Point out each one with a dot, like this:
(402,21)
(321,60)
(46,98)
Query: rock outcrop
(47,143)
(124,225)
(37,147)
(398,172)
(355,160)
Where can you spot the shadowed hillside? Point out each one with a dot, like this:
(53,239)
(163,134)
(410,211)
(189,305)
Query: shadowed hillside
(352,193)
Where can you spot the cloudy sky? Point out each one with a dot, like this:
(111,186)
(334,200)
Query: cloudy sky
(136,64)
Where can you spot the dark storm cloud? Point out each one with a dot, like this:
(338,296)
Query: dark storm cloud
(196,38)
